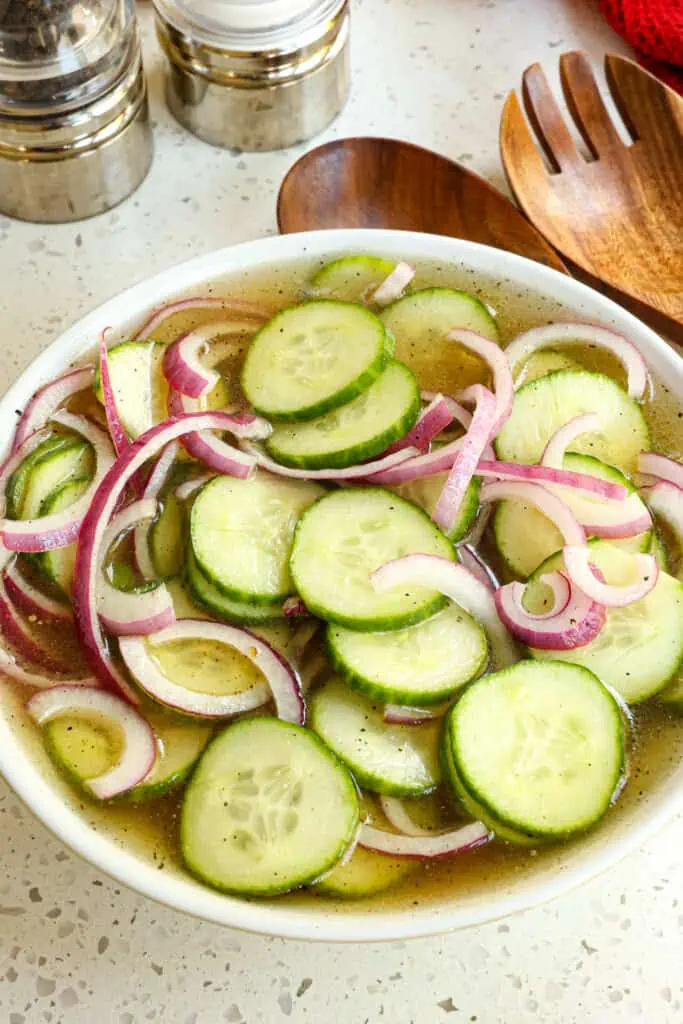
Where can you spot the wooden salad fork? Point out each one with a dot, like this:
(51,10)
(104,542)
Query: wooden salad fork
(617,213)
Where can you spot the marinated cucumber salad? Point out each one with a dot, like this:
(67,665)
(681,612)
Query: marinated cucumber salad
(348,626)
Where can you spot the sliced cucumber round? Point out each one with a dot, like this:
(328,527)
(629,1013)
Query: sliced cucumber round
(422,664)
(640,647)
(241,534)
(420,323)
(59,563)
(268,809)
(672,694)
(348,534)
(425,492)
(395,759)
(181,743)
(138,383)
(351,278)
(167,538)
(312,358)
(543,362)
(543,406)
(15,489)
(357,431)
(525,537)
(209,597)
(73,460)
(365,874)
(538,747)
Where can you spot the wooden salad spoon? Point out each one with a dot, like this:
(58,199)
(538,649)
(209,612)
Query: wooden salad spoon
(386,183)
(618,212)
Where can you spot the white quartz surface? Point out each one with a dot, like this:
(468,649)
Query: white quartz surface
(76,948)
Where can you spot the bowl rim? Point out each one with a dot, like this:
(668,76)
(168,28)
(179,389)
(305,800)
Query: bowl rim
(320,922)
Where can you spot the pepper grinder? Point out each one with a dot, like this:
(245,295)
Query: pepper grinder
(75,136)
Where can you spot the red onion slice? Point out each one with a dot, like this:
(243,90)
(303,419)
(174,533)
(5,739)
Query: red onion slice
(31,600)
(282,682)
(48,399)
(417,466)
(118,434)
(396,814)
(126,612)
(577,563)
(405,714)
(660,467)
(234,307)
(20,637)
(393,285)
(363,471)
(460,413)
(574,620)
(549,504)
(213,451)
(182,365)
(102,507)
(547,475)
(61,528)
(556,448)
(436,417)
(139,748)
(459,585)
(497,360)
(191,486)
(424,847)
(472,560)
(666,500)
(466,459)
(584,334)
(294,606)
(156,481)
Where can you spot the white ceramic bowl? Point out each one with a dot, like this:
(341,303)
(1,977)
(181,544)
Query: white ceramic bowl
(568,866)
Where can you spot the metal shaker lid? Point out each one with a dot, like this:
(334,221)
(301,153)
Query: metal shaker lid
(248,25)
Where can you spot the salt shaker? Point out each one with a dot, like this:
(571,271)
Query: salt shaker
(255,74)
(75,137)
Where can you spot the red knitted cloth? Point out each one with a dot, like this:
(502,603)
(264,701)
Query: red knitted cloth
(654,28)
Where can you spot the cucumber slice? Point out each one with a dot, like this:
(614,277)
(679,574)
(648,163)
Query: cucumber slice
(59,563)
(539,747)
(672,695)
(657,548)
(420,322)
(268,809)
(365,874)
(543,406)
(425,493)
(524,536)
(543,362)
(210,598)
(640,647)
(357,431)
(84,747)
(16,485)
(423,664)
(351,278)
(58,467)
(139,386)
(394,759)
(167,538)
(312,358)
(348,534)
(241,534)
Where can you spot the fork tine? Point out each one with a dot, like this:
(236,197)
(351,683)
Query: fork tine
(586,105)
(547,120)
(517,145)
(647,107)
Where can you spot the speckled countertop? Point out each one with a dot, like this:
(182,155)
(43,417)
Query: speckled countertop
(73,946)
